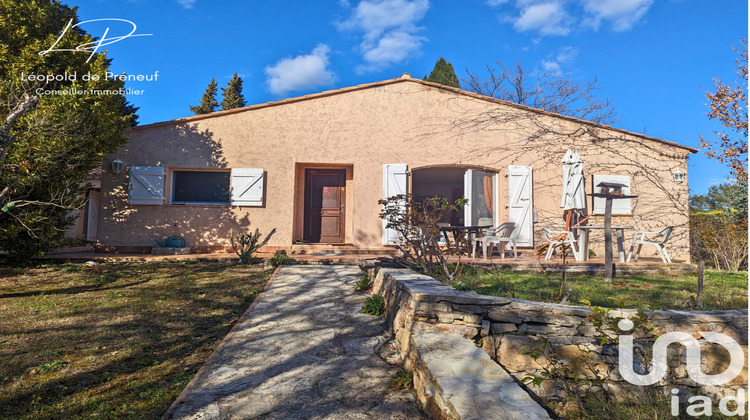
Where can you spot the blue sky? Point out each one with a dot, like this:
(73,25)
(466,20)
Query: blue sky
(653,58)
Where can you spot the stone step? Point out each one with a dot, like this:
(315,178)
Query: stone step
(325,249)
(455,379)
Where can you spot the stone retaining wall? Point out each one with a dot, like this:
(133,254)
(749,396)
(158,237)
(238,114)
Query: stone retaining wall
(418,304)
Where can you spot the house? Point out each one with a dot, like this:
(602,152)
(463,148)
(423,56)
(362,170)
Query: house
(314,168)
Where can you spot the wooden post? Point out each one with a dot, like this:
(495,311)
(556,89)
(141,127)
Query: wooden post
(699,300)
(608,240)
(562,250)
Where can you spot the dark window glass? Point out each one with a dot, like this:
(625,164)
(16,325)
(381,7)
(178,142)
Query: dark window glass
(201,187)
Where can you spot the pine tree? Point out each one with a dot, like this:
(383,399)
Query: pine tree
(208,100)
(233,94)
(443,73)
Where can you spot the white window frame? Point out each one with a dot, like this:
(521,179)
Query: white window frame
(621,206)
(172,188)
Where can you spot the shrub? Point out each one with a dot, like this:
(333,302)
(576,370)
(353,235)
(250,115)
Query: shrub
(416,221)
(281,258)
(245,244)
(54,365)
(403,380)
(374,305)
(719,238)
(363,283)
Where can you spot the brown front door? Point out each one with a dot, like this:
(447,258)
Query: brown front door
(324,205)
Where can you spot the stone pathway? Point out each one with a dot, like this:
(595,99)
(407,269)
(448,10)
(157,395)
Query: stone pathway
(304,352)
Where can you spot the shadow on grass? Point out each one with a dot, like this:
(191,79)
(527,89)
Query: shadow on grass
(72,290)
(127,354)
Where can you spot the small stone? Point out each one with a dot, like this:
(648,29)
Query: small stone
(549,330)
(503,328)
(447,318)
(503,315)
(485,328)
(488,345)
(587,330)
(510,353)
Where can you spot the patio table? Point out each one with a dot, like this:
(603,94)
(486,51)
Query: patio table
(459,232)
(584,240)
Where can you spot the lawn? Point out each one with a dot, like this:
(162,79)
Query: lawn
(722,290)
(113,340)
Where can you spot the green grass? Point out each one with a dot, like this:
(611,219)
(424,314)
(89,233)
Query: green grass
(595,406)
(113,340)
(722,290)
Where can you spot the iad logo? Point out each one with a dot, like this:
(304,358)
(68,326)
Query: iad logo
(693,361)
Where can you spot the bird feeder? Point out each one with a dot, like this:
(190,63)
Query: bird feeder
(609,191)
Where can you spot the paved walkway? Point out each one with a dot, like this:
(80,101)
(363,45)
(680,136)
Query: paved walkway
(304,352)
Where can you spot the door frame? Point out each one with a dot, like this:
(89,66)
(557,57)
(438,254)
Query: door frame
(298,225)
(310,173)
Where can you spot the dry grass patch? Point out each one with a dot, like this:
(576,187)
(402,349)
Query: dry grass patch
(113,340)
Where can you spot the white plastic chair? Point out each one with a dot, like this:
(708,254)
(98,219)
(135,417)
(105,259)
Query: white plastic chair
(660,245)
(504,234)
(560,238)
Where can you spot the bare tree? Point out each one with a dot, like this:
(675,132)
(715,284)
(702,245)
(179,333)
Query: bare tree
(729,106)
(546,91)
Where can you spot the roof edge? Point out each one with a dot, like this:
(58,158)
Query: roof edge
(267,104)
(403,79)
(552,114)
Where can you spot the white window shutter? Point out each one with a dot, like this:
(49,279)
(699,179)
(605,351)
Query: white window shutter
(247,187)
(394,183)
(620,206)
(146,185)
(521,203)
(468,193)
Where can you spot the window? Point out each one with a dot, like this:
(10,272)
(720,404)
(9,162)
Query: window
(200,187)
(478,188)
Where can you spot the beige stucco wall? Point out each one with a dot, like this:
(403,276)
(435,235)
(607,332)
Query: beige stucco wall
(399,121)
